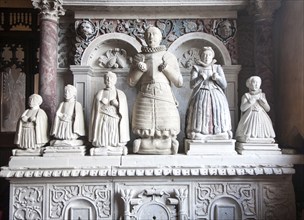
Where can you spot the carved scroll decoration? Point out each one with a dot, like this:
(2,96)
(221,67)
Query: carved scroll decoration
(98,195)
(243,194)
(28,203)
(88,30)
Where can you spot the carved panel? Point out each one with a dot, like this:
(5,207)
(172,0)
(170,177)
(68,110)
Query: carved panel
(278,201)
(154,202)
(88,30)
(237,200)
(13,83)
(28,202)
(81,199)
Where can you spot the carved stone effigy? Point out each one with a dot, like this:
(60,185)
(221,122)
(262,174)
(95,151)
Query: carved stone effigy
(255,132)
(32,131)
(156,118)
(109,127)
(68,126)
(208,122)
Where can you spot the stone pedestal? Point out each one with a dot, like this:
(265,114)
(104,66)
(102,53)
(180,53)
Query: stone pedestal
(153,186)
(210,147)
(257,148)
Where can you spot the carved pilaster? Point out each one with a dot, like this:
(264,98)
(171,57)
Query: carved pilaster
(49,15)
(263,11)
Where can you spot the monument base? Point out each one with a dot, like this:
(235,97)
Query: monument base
(257,148)
(28,152)
(210,147)
(109,151)
(64,151)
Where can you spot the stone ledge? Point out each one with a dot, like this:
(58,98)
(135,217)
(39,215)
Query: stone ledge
(147,171)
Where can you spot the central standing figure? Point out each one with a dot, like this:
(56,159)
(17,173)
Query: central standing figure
(155,115)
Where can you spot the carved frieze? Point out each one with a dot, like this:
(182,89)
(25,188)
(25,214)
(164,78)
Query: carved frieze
(99,196)
(161,171)
(28,202)
(66,44)
(87,30)
(238,198)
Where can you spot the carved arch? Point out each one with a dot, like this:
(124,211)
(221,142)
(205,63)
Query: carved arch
(198,40)
(106,42)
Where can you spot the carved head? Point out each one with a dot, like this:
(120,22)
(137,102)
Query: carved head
(70,92)
(110,79)
(86,29)
(254,83)
(153,36)
(35,100)
(207,55)
(225,29)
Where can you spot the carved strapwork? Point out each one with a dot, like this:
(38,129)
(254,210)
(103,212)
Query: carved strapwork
(226,201)
(50,9)
(88,30)
(155,202)
(263,12)
(81,201)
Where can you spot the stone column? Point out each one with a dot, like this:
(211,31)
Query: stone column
(263,12)
(49,16)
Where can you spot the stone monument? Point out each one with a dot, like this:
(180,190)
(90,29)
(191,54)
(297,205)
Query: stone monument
(155,118)
(208,122)
(109,128)
(255,133)
(68,126)
(32,129)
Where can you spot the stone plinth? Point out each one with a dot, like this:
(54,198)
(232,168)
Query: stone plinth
(257,148)
(210,147)
(169,186)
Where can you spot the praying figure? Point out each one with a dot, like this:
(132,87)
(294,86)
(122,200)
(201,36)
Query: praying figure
(155,118)
(69,122)
(255,125)
(208,115)
(109,128)
(32,127)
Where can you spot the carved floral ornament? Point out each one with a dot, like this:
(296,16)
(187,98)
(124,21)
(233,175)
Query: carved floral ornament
(50,9)
(88,30)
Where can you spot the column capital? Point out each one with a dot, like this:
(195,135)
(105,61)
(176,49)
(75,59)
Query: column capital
(263,9)
(49,9)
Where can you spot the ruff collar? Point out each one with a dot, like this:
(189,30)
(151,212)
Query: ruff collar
(153,49)
(205,64)
(256,92)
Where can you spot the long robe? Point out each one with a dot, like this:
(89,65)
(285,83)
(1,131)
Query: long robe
(32,135)
(72,127)
(254,122)
(109,124)
(208,111)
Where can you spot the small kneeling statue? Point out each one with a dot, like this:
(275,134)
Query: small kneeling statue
(32,128)
(69,123)
(109,128)
(255,125)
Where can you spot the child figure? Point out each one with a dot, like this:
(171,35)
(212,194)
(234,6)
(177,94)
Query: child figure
(255,125)
(32,127)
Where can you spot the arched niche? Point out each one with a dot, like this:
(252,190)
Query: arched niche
(198,40)
(106,42)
